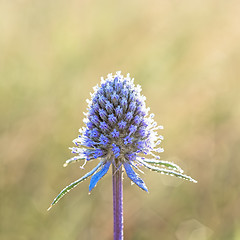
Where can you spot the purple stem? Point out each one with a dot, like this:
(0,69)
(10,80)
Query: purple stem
(117,179)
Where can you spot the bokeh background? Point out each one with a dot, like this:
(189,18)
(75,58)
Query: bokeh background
(186,56)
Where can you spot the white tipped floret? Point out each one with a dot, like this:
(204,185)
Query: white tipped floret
(118,73)
(161,137)
(110,76)
(85,120)
(95,88)
(154,124)
(127,78)
(159,150)
(76,141)
(152,115)
(82,130)
(147,110)
(138,88)
(158,142)
(157,128)
(102,80)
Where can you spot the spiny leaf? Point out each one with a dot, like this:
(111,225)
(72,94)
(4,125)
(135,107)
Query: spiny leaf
(73,160)
(164,163)
(134,177)
(168,172)
(73,184)
(97,176)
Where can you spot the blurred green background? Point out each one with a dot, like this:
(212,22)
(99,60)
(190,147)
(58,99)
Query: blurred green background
(186,56)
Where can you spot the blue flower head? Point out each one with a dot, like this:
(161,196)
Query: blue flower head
(119,130)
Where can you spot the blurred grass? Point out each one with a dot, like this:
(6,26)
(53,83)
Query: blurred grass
(186,57)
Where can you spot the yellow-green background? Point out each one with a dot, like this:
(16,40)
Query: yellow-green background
(186,56)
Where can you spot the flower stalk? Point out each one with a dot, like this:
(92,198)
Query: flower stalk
(117,181)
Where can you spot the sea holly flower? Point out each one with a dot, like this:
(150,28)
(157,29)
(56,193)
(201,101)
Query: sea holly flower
(119,131)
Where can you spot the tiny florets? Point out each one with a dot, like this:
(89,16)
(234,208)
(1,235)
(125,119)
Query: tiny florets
(118,126)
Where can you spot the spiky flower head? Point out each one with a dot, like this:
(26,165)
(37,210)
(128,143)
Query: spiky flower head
(119,130)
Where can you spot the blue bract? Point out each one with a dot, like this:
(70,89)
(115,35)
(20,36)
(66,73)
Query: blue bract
(119,130)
